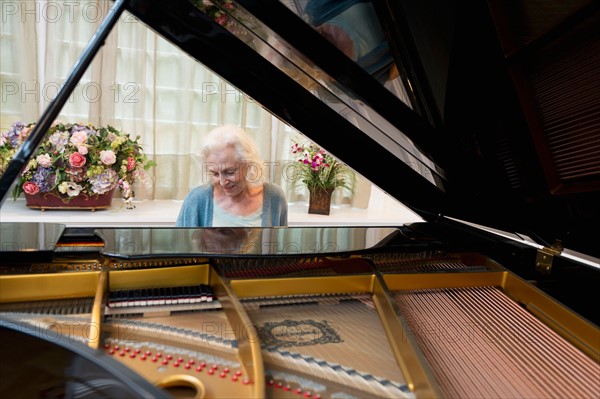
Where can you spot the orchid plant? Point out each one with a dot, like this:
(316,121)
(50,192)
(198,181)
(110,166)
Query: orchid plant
(317,168)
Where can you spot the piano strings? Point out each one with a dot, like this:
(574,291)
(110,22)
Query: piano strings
(480,343)
(329,344)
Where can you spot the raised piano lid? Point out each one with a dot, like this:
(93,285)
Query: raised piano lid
(470,159)
(474,158)
(65,367)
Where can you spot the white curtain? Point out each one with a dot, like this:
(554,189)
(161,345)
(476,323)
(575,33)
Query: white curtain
(142,84)
(20,87)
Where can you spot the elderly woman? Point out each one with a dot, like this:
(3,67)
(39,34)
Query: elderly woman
(237,194)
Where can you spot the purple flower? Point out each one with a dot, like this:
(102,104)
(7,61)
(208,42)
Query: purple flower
(81,128)
(13,133)
(59,140)
(44,178)
(104,182)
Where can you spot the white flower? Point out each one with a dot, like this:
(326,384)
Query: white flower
(62,187)
(70,188)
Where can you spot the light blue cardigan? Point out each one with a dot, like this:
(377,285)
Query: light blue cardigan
(197,208)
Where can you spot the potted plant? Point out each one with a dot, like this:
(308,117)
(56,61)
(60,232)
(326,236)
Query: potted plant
(76,165)
(321,173)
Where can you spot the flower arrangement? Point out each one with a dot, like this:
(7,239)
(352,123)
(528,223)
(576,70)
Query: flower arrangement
(319,169)
(76,160)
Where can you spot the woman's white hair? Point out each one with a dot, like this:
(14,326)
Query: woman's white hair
(245,149)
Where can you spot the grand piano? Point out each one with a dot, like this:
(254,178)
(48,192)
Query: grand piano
(491,139)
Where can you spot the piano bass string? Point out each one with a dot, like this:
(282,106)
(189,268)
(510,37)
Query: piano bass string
(481,343)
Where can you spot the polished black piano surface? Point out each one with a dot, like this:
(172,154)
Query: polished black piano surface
(490,135)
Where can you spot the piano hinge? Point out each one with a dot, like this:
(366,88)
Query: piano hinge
(545,257)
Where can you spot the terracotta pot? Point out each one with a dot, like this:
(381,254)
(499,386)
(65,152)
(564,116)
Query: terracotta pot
(320,200)
(55,200)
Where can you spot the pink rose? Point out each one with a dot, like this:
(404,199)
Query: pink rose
(79,138)
(130,163)
(30,188)
(82,149)
(77,160)
(108,157)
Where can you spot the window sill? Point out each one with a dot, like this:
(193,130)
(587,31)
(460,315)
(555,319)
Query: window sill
(163,213)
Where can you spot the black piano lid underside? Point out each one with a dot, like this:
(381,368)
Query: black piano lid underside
(477,188)
(182,24)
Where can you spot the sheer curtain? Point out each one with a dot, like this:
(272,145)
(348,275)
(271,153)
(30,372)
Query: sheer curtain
(142,84)
(20,87)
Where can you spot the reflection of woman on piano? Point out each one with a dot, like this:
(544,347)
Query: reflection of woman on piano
(229,240)
(237,194)
(352,26)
